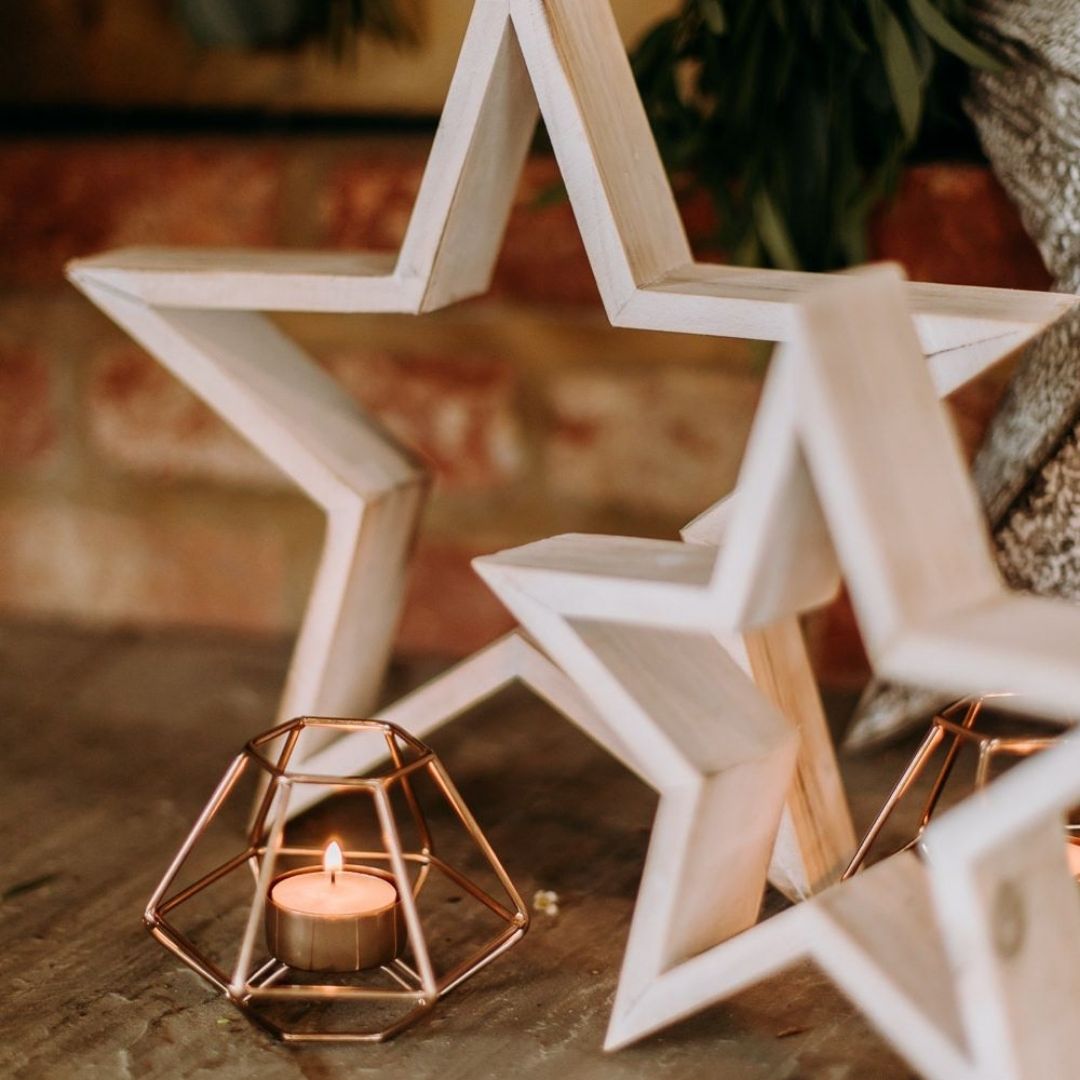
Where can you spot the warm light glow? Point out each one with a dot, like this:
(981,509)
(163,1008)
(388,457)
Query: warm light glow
(332,860)
(1072,853)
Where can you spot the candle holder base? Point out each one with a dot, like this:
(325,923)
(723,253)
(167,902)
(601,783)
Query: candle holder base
(387,821)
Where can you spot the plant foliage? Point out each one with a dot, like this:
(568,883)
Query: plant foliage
(277,24)
(342,20)
(796,115)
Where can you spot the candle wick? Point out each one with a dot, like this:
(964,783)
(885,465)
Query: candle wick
(333,877)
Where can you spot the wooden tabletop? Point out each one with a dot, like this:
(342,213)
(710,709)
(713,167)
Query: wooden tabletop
(112,744)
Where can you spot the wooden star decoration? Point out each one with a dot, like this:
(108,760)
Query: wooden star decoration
(964,959)
(645,647)
(852,464)
(850,448)
(197,312)
(816,836)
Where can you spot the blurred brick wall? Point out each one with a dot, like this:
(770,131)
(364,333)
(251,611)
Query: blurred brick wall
(125,501)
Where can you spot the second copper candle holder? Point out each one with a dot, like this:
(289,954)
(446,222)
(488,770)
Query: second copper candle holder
(951,732)
(347,941)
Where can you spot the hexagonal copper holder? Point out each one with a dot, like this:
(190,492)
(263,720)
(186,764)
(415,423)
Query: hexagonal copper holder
(249,986)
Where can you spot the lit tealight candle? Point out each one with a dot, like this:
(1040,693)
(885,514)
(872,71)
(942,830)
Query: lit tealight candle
(334,917)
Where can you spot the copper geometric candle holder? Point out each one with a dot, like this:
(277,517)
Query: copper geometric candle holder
(954,730)
(372,974)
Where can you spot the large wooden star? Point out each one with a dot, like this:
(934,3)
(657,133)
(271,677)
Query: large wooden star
(197,311)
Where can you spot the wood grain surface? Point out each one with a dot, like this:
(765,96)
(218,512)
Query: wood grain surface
(113,742)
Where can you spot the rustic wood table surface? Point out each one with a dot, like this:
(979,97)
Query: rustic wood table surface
(113,742)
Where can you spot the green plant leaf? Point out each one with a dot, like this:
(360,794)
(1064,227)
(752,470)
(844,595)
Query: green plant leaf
(800,115)
(774,234)
(552,195)
(847,30)
(950,39)
(712,12)
(901,68)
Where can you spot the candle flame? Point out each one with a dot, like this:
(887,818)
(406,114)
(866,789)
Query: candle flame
(332,859)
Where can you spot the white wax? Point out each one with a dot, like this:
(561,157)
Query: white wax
(350,894)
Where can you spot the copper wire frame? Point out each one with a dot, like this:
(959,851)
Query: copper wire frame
(248,986)
(957,722)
